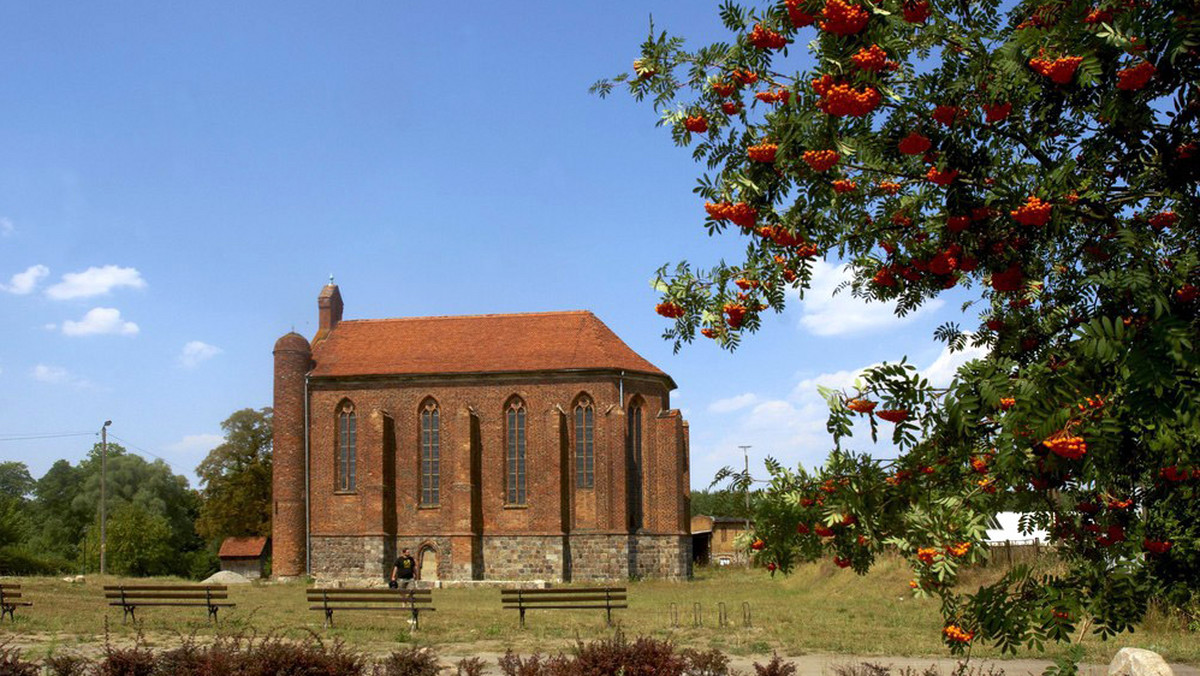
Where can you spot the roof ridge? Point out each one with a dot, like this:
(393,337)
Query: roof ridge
(545,313)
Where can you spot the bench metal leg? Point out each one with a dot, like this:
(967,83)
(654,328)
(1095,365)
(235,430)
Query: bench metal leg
(8,610)
(328,617)
(522,618)
(130,613)
(212,613)
(416,619)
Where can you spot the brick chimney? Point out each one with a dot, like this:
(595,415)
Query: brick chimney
(329,305)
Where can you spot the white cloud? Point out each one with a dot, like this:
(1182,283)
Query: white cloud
(50,374)
(196,443)
(95,282)
(827,314)
(942,370)
(100,320)
(195,352)
(731,404)
(24,282)
(6,227)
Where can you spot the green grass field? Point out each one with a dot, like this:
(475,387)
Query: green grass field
(818,609)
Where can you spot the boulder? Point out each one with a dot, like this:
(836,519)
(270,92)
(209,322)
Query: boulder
(1138,662)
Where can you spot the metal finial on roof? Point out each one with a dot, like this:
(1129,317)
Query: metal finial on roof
(331,279)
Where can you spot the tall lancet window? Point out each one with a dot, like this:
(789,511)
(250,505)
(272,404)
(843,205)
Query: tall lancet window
(584,446)
(515,456)
(347,447)
(430,455)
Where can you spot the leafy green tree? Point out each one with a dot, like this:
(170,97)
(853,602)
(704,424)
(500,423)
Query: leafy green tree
(15,481)
(139,542)
(722,502)
(1039,157)
(235,479)
(59,524)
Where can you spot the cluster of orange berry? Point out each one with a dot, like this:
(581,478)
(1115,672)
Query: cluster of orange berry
(820,160)
(1035,212)
(669,310)
(1072,448)
(1164,219)
(841,562)
(777,234)
(780,95)
(766,39)
(843,186)
(823,531)
(996,112)
(943,263)
(884,277)
(956,634)
(758,545)
(763,152)
(959,549)
(1060,70)
(731,107)
(842,18)
(1187,293)
(740,214)
(1012,279)
(695,124)
(1007,403)
(927,555)
(746,284)
(942,178)
(1135,77)
(914,144)
(873,59)
(898,415)
(1156,546)
(724,89)
(1174,473)
(1091,403)
(889,187)
(958,223)
(799,17)
(979,463)
(841,100)
(1099,16)
(947,115)
(745,77)
(915,12)
(860,405)
(735,314)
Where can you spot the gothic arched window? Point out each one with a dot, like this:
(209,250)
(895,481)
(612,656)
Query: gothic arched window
(634,466)
(430,455)
(347,449)
(584,443)
(515,453)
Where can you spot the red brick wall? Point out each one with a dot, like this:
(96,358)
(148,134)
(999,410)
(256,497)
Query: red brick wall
(598,510)
(292,362)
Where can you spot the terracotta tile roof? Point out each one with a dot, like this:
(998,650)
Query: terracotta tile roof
(252,546)
(507,343)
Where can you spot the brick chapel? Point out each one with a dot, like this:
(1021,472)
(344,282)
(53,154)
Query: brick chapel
(493,447)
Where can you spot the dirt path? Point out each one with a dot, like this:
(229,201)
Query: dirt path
(823,665)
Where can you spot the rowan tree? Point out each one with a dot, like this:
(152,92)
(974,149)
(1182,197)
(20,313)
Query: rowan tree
(1038,156)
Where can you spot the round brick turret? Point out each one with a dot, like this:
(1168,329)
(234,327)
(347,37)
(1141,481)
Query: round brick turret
(293,360)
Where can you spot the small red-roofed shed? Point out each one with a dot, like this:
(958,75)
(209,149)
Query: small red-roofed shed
(246,556)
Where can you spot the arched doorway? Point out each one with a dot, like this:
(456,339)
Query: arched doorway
(427,561)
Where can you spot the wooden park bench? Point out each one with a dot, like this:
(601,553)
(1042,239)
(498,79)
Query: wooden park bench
(132,596)
(567,598)
(414,601)
(9,593)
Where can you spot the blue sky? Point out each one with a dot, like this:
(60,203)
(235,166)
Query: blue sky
(178,180)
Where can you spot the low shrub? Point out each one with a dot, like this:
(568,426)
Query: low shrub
(11,663)
(409,662)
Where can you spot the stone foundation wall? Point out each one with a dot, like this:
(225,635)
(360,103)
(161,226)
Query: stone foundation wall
(349,558)
(613,558)
(664,557)
(522,557)
(599,557)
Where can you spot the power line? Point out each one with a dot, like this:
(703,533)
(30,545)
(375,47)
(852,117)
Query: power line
(139,448)
(58,435)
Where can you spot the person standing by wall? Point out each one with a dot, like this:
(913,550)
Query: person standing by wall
(403,571)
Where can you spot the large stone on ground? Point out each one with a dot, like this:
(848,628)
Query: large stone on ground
(1138,662)
(226,577)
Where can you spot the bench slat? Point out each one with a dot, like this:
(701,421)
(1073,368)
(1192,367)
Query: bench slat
(166,587)
(371,590)
(567,607)
(139,604)
(561,590)
(10,595)
(406,609)
(18,603)
(558,599)
(134,596)
(333,603)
